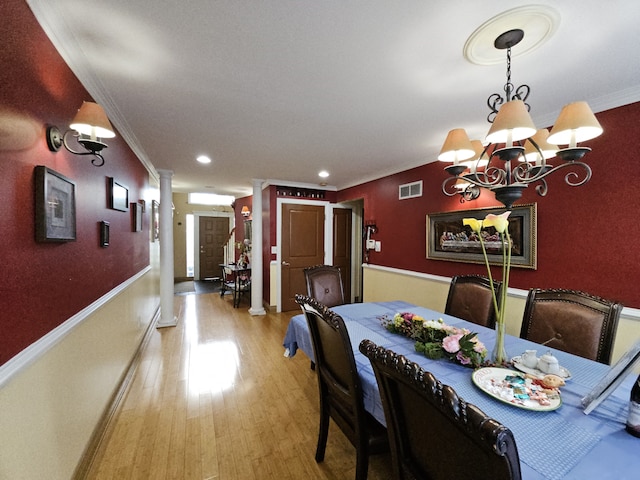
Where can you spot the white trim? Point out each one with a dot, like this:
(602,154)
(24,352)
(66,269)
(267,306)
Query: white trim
(41,346)
(627,312)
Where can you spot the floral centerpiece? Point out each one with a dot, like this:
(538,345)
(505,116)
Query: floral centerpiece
(244,250)
(435,339)
(501,224)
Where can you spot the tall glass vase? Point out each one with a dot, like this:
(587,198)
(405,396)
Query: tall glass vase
(499,354)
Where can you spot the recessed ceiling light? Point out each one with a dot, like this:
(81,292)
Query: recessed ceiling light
(203,159)
(323,174)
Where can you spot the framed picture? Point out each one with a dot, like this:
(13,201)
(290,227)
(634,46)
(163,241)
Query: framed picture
(118,196)
(104,234)
(136,217)
(448,239)
(55,207)
(612,379)
(155,220)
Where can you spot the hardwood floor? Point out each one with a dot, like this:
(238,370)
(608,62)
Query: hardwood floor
(214,398)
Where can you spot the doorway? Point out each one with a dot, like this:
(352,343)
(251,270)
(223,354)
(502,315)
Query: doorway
(212,238)
(302,246)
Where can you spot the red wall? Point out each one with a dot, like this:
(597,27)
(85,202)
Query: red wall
(44,284)
(586,235)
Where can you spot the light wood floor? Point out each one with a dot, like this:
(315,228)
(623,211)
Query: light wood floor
(214,398)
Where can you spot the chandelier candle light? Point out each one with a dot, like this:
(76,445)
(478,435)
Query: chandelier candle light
(501,224)
(516,153)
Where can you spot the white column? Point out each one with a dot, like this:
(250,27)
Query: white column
(167,319)
(256,251)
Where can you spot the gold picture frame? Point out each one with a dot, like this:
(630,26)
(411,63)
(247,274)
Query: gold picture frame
(447,237)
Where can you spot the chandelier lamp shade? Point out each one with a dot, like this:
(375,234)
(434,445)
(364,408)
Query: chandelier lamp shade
(89,126)
(515,153)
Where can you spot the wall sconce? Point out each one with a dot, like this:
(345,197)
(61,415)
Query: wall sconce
(245,211)
(88,126)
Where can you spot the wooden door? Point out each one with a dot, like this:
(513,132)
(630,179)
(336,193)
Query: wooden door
(214,232)
(342,247)
(302,246)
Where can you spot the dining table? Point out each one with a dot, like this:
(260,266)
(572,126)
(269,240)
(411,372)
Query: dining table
(564,443)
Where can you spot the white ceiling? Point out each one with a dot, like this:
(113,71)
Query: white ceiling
(281,89)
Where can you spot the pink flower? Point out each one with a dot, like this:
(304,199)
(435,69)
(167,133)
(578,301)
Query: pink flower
(452,343)
(479,346)
(463,359)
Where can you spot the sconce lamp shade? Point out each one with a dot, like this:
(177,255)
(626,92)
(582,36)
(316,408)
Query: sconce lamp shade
(457,146)
(245,211)
(548,150)
(92,121)
(576,123)
(512,123)
(476,161)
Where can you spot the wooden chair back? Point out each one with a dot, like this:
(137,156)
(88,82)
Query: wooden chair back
(324,283)
(433,433)
(571,321)
(470,298)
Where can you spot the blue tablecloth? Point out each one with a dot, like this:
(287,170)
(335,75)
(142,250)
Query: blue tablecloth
(564,443)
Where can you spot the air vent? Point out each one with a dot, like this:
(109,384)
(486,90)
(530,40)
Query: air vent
(410,190)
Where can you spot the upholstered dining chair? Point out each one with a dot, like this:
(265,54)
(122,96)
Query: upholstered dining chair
(433,433)
(571,321)
(470,299)
(340,387)
(324,283)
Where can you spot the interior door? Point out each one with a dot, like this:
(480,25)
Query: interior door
(302,246)
(214,232)
(342,247)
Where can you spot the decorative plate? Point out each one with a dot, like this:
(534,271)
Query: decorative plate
(564,373)
(512,388)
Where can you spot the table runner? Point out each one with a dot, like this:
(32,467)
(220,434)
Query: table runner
(550,443)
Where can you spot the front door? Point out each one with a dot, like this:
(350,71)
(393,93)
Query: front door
(214,232)
(342,247)
(302,246)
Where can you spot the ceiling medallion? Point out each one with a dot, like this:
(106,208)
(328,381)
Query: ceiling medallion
(539,22)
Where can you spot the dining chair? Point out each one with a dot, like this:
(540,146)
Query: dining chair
(571,321)
(324,283)
(470,299)
(340,387)
(433,433)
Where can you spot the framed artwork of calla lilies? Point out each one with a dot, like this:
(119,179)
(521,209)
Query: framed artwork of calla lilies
(449,239)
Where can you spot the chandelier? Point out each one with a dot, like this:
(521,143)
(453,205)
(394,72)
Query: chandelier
(515,153)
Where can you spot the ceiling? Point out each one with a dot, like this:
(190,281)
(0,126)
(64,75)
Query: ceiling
(279,90)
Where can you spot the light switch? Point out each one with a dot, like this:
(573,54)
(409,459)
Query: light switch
(378,245)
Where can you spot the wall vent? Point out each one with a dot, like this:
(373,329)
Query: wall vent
(410,190)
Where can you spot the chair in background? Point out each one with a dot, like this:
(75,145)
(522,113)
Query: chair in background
(339,386)
(433,433)
(470,299)
(571,321)
(324,283)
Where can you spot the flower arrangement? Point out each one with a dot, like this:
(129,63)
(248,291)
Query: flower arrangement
(501,225)
(244,252)
(435,339)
